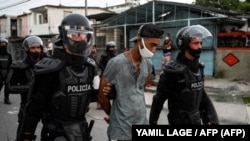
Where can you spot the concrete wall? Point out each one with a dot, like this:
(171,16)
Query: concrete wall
(5,27)
(55,16)
(239,71)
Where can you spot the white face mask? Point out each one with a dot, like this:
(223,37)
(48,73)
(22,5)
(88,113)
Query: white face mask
(167,38)
(145,53)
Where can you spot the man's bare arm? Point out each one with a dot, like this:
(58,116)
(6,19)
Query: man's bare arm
(104,89)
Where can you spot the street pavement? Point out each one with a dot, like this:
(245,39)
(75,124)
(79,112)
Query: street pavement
(225,94)
(8,120)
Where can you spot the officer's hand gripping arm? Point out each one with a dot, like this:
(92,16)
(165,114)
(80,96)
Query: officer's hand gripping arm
(102,96)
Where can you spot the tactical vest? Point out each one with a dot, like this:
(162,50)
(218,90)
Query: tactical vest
(185,100)
(14,86)
(190,98)
(190,95)
(71,101)
(4,65)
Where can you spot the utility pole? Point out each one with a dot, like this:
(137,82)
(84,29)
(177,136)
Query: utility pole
(153,12)
(86,8)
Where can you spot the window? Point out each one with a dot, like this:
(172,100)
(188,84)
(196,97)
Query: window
(20,27)
(39,18)
(100,41)
(45,20)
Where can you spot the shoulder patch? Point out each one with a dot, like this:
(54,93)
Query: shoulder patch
(175,67)
(48,65)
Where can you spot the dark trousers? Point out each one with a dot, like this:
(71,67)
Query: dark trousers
(6,93)
(24,99)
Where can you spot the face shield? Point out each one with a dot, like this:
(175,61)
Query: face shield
(34,45)
(31,42)
(3,40)
(79,35)
(78,40)
(197,31)
(32,51)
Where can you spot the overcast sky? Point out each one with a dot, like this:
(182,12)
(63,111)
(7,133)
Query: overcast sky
(14,6)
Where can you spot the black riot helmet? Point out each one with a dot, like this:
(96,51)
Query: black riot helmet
(76,26)
(31,41)
(184,35)
(3,45)
(3,40)
(110,44)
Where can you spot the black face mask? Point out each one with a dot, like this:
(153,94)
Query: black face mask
(77,47)
(3,49)
(195,52)
(35,55)
(111,52)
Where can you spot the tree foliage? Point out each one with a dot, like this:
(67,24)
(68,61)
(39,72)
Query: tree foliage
(242,6)
(245,7)
(232,5)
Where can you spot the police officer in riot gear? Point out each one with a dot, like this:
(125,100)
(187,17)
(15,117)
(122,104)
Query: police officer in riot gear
(182,83)
(19,78)
(105,57)
(5,62)
(62,86)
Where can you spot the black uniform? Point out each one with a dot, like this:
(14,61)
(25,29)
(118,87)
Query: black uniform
(20,76)
(5,62)
(19,81)
(60,97)
(182,83)
(105,57)
(104,60)
(63,85)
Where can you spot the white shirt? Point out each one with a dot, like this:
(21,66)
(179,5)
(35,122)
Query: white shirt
(50,46)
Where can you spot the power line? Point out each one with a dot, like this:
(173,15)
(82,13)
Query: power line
(14,4)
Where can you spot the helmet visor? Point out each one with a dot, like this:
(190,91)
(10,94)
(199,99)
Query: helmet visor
(79,35)
(197,31)
(34,45)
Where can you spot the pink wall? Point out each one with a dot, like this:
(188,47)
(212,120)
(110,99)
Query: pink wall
(25,28)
